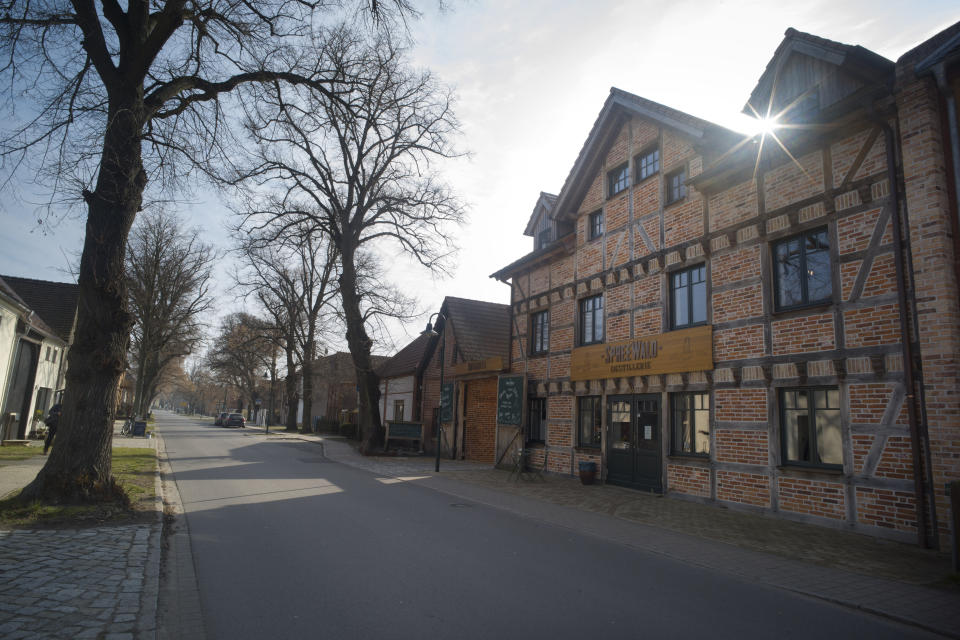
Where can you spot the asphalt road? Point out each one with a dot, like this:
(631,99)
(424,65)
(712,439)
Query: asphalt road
(287,544)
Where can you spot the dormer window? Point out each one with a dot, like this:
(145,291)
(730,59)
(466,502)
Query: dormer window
(618,180)
(544,238)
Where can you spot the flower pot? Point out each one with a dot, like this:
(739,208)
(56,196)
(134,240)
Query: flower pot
(588,472)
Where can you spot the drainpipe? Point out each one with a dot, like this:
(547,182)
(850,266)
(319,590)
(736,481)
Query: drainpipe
(939,72)
(916,427)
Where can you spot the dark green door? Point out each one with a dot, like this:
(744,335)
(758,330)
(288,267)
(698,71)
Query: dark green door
(633,441)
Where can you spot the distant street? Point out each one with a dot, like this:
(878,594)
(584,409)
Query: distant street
(290,545)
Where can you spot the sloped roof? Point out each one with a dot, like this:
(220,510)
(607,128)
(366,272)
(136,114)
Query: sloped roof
(54,302)
(338,367)
(545,202)
(482,329)
(944,46)
(8,291)
(408,360)
(619,106)
(869,67)
(564,244)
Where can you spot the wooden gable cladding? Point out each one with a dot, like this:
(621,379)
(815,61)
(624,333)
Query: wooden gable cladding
(673,352)
(803,78)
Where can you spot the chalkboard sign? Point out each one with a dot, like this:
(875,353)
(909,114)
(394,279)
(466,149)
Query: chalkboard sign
(446,402)
(139,428)
(510,400)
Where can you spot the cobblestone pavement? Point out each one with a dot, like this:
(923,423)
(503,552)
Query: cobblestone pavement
(98,582)
(75,583)
(895,580)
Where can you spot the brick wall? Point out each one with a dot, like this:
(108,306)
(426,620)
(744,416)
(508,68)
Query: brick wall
(479,436)
(886,508)
(745,488)
(744,447)
(740,405)
(804,334)
(689,480)
(811,497)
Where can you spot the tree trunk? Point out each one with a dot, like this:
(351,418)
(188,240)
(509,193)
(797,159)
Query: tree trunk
(308,355)
(291,393)
(79,468)
(359,342)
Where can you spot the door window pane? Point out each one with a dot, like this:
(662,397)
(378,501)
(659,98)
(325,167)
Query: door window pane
(620,425)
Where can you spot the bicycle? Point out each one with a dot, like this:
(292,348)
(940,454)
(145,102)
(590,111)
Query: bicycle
(127,429)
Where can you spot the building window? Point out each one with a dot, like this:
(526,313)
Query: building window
(691,423)
(810,419)
(398,410)
(596,224)
(688,296)
(591,320)
(540,332)
(618,180)
(588,422)
(802,272)
(648,164)
(676,189)
(544,238)
(537,420)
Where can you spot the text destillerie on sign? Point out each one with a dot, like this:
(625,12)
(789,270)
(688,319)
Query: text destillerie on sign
(674,352)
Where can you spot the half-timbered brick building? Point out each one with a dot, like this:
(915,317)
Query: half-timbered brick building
(767,323)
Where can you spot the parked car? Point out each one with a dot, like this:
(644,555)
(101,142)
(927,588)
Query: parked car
(221,418)
(235,420)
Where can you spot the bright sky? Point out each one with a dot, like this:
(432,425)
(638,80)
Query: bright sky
(531,77)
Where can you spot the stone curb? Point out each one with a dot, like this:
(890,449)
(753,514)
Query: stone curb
(147,617)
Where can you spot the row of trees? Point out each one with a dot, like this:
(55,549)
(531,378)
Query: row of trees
(113,105)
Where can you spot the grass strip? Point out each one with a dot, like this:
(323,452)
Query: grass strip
(134,469)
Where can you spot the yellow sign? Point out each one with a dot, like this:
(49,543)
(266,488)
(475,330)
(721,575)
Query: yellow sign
(479,366)
(674,352)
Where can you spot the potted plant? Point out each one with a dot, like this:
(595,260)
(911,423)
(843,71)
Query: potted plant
(588,472)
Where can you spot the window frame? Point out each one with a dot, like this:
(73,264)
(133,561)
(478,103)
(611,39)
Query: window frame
(532,403)
(619,176)
(804,285)
(544,238)
(581,317)
(681,187)
(672,302)
(595,225)
(544,342)
(675,410)
(638,161)
(812,426)
(596,419)
(399,402)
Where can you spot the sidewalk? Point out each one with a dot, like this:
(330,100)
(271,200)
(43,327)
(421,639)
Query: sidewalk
(96,582)
(890,579)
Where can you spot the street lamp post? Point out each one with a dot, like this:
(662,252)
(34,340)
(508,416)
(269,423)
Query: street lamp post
(430,332)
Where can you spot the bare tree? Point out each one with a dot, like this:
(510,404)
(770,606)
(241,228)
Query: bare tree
(293,274)
(241,352)
(168,280)
(103,97)
(362,168)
